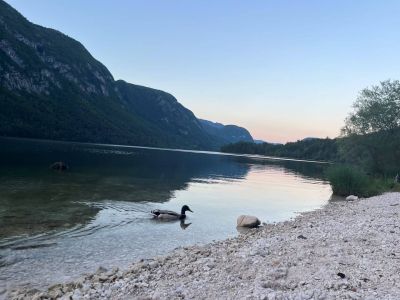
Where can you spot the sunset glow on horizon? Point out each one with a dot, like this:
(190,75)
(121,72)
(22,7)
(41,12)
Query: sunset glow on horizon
(284,70)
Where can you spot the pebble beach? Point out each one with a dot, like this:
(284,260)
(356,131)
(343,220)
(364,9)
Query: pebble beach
(345,250)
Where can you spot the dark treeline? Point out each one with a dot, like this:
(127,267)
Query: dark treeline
(370,164)
(311,149)
(375,153)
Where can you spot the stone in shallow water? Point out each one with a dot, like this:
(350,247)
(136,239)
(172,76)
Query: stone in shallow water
(248,221)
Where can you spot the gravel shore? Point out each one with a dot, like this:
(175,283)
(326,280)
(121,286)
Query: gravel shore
(346,250)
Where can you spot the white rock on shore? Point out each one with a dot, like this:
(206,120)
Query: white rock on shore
(351,198)
(248,221)
(347,250)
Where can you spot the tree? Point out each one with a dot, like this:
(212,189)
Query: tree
(376,109)
(371,136)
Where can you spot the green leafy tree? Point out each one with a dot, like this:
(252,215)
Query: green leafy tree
(377,109)
(371,135)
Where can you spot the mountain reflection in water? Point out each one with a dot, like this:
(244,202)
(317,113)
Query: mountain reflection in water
(55,226)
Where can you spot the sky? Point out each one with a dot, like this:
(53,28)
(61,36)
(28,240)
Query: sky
(285,70)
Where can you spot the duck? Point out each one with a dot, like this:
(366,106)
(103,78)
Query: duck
(167,215)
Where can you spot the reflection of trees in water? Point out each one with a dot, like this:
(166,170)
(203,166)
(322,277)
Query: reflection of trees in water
(308,170)
(35,199)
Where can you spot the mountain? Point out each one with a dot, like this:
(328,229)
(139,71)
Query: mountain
(227,134)
(51,87)
(259,141)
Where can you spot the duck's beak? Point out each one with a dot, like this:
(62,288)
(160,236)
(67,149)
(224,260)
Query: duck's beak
(190,210)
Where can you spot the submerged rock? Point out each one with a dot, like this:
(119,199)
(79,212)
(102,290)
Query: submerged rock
(248,221)
(59,166)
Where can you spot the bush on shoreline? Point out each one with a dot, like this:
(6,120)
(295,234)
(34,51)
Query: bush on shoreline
(347,180)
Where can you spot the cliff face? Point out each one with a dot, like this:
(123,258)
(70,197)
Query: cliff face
(40,60)
(51,87)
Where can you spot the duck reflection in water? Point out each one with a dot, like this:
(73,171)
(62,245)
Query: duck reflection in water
(184,225)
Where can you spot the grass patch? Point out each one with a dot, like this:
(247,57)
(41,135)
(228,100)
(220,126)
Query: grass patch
(347,180)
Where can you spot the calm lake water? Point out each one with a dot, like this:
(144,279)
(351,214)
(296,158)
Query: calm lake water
(55,226)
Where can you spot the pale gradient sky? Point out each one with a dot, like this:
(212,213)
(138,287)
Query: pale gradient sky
(285,70)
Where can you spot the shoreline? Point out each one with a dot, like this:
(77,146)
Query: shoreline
(345,250)
(207,152)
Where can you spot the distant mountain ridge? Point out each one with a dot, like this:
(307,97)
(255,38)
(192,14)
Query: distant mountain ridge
(51,87)
(227,133)
(259,141)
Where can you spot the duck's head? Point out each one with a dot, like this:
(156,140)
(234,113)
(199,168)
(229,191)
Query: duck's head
(185,208)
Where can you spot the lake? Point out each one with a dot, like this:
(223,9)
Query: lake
(55,226)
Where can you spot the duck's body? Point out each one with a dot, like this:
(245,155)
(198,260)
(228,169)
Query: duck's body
(168,215)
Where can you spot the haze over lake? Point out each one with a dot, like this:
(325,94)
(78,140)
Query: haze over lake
(55,226)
